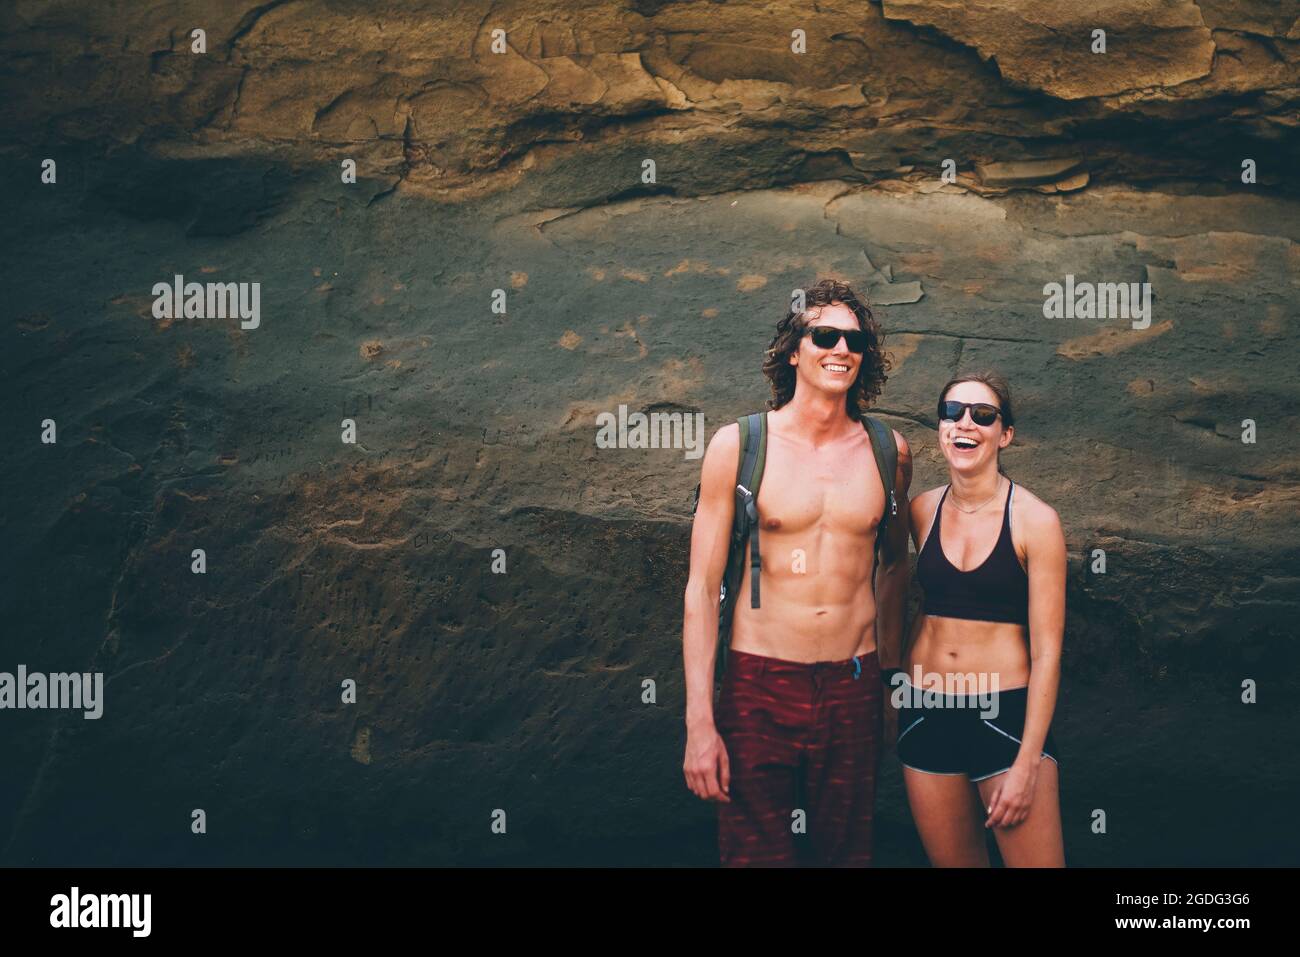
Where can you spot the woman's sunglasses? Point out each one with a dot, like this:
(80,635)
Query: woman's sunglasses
(981,413)
(826,337)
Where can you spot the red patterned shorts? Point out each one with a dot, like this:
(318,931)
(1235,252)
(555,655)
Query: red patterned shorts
(800,737)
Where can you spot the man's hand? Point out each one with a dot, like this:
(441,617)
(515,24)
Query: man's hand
(707,770)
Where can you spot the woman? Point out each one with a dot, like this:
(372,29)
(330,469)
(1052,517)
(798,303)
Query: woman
(991,561)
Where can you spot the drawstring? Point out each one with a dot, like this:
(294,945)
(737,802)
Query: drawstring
(857,668)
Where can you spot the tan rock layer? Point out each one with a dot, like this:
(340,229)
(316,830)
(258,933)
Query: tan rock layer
(1050,45)
(416,92)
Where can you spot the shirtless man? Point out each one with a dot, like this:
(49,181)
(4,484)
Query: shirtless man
(793,746)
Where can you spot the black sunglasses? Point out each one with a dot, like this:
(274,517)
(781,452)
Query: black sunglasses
(981,413)
(826,337)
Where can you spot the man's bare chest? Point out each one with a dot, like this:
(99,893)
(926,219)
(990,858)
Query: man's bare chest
(835,489)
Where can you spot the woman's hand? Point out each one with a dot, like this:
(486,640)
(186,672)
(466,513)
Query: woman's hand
(1014,794)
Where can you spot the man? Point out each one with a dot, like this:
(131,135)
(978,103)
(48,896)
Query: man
(791,754)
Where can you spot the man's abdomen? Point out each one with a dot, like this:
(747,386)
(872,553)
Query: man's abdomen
(818,606)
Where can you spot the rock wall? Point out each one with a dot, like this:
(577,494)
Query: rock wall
(522,171)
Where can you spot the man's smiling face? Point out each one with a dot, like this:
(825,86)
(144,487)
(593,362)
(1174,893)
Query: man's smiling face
(834,369)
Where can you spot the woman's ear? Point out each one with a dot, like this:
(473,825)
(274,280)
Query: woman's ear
(1008,433)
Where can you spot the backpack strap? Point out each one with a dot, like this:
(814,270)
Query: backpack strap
(749,476)
(886,451)
(744,527)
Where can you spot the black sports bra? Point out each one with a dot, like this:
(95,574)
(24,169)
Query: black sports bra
(997,590)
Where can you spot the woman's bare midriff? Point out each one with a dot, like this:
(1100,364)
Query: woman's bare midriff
(956,649)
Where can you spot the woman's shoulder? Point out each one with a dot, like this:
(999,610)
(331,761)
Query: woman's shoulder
(927,500)
(1036,513)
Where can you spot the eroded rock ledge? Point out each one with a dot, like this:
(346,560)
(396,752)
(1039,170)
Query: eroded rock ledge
(414,93)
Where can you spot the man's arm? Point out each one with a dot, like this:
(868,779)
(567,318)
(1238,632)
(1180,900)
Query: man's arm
(894,570)
(706,767)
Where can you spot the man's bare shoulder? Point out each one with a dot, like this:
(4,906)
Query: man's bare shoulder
(719,465)
(904,461)
(725,442)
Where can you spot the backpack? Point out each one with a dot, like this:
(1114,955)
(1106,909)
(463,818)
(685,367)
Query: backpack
(744,527)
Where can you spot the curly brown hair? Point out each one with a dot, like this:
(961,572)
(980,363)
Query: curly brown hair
(789,333)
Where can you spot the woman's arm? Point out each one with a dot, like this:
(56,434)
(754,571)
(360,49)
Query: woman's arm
(1045,558)
(1045,561)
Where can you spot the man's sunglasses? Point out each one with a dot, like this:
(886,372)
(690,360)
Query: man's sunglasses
(981,413)
(826,337)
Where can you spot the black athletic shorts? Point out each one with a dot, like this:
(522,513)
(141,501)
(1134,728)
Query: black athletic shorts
(975,735)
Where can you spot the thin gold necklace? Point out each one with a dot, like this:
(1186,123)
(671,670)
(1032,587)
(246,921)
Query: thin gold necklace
(971,511)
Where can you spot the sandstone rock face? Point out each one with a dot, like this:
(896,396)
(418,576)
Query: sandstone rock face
(1073,50)
(522,171)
